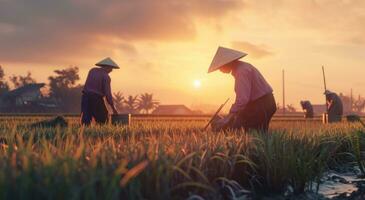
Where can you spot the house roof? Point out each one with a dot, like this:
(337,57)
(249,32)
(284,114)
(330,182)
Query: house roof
(23,89)
(319,108)
(172,109)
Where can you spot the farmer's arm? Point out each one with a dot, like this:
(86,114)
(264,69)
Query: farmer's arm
(329,104)
(242,89)
(108,94)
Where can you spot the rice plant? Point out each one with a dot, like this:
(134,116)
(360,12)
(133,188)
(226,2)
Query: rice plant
(169,160)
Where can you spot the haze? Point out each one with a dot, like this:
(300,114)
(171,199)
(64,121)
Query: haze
(164,46)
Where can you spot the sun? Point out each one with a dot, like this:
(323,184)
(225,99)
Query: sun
(197,84)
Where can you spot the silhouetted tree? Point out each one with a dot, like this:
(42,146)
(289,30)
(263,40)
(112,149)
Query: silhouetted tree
(65,78)
(19,81)
(359,104)
(147,103)
(4,86)
(290,108)
(131,104)
(64,89)
(118,99)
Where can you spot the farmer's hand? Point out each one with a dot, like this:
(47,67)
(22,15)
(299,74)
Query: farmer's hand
(228,119)
(222,123)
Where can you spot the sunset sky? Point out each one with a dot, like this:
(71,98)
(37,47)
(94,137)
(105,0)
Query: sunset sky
(164,46)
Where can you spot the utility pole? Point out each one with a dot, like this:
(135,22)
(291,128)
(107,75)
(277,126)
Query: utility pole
(325,86)
(283,92)
(351,101)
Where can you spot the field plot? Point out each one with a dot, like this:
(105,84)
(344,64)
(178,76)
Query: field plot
(172,160)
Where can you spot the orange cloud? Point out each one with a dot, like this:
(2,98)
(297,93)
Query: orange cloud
(256,51)
(44,31)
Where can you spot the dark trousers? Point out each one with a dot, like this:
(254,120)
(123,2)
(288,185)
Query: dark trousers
(93,106)
(256,115)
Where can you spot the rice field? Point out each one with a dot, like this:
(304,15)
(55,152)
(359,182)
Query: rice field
(172,160)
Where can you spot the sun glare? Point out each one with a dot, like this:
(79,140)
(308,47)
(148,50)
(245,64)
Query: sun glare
(197,84)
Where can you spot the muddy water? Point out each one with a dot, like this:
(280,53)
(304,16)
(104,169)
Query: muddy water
(335,185)
(340,186)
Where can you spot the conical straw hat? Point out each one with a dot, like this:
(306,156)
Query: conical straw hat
(107,62)
(327,92)
(224,56)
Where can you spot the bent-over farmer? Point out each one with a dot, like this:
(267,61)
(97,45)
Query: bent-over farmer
(334,106)
(97,86)
(255,104)
(308,109)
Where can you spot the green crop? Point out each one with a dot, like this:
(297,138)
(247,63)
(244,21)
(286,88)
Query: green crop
(170,160)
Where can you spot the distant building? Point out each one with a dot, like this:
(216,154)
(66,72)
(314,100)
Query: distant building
(172,110)
(319,109)
(25,95)
(27,98)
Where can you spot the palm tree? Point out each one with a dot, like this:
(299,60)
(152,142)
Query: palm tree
(131,104)
(118,99)
(147,103)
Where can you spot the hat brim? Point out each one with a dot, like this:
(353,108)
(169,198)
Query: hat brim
(210,70)
(223,56)
(109,66)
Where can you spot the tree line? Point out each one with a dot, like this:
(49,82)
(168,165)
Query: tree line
(62,89)
(143,103)
(65,91)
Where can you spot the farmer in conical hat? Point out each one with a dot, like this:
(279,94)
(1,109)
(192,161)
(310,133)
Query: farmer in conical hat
(308,109)
(334,106)
(97,86)
(255,104)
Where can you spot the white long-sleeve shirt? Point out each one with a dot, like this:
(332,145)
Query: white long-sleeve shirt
(249,85)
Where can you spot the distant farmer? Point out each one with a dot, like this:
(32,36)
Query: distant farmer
(255,104)
(334,106)
(308,109)
(97,86)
